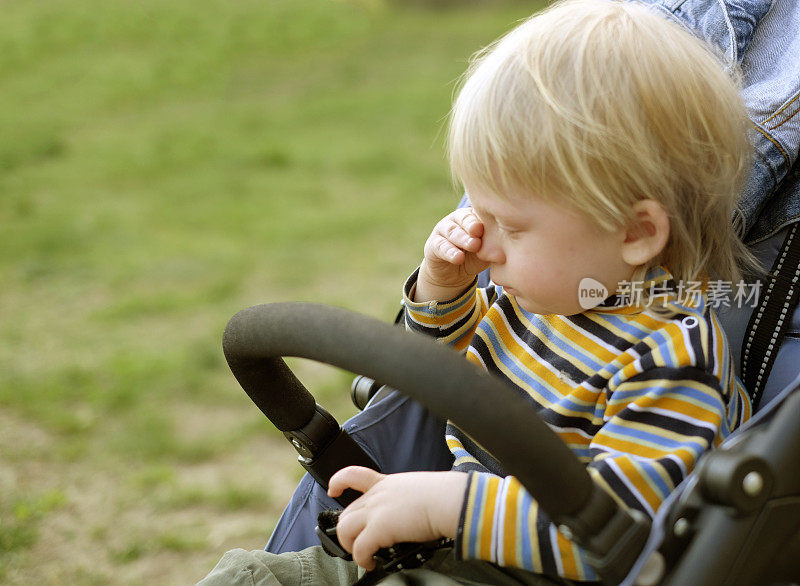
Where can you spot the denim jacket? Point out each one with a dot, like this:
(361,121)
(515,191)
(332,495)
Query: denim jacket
(763,37)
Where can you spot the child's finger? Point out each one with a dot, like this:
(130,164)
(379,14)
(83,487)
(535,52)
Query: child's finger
(457,232)
(349,526)
(472,224)
(356,477)
(442,248)
(365,547)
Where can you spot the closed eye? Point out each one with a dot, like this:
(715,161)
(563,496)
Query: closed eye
(510,232)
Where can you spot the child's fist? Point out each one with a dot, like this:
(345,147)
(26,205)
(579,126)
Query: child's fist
(451,260)
(395,508)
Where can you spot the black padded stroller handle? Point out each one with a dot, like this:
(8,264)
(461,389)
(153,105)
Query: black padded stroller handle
(491,412)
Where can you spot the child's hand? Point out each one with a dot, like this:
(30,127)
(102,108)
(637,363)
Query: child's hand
(450,262)
(412,506)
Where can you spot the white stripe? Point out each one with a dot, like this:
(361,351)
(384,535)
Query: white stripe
(576,430)
(673,415)
(556,551)
(499,516)
(526,348)
(595,339)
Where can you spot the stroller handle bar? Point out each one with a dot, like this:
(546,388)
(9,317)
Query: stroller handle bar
(494,414)
(436,376)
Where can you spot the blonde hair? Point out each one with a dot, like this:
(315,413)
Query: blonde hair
(604,103)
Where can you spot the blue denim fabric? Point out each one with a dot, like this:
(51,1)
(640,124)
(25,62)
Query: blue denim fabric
(763,36)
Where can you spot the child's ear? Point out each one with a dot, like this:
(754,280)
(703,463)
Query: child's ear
(646,233)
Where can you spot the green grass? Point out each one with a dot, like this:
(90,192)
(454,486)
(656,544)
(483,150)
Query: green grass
(163,165)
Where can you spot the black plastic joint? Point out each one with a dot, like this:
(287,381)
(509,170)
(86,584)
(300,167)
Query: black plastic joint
(614,550)
(611,535)
(315,435)
(736,479)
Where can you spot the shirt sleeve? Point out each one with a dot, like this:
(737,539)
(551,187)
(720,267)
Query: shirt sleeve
(453,321)
(655,428)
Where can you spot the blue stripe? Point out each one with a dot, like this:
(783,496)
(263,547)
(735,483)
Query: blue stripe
(460,453)
(628,326)
(666,347)
(624,395)
(457,304)
(657,479)
(507,359)
(568,347)
(528,377)
(477,513)
(525,533)
(663,442)
(582,453)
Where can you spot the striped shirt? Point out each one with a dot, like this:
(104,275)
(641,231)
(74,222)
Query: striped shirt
(637,393)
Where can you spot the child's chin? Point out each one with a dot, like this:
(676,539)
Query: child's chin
(528,306)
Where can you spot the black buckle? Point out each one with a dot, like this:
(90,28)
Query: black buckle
(401,556)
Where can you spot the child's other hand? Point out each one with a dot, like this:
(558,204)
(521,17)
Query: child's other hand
(412,506)
(450,262)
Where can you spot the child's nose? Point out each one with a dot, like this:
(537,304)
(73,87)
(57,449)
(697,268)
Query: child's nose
(490,250)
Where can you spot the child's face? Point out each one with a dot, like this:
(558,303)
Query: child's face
(540,252)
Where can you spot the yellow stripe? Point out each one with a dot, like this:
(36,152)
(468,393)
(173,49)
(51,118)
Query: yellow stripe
(487,518)
(571,335)
(559,326)
(601,320)
(510,524)
(645,450)
(453,443)
(564,550)
(509,347)
(639,478)
(722,347)
(536,557)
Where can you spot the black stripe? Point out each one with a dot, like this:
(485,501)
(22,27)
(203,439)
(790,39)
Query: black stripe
(564,421)
(599,381)
(537,345)
(696,343)
(673,469)
(678,426)
(591,326)
(543,524)
(487,461)
(645,351)
(459,324)
(619,487)
(683,373)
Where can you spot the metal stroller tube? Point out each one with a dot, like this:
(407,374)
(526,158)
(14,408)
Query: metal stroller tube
(492,413)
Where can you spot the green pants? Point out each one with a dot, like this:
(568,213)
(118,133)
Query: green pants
(313,567)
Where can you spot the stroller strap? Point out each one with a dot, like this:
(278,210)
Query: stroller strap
(771,318)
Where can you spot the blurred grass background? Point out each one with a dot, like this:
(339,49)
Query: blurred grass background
(163,165)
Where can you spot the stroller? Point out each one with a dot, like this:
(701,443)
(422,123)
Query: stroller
(734,520)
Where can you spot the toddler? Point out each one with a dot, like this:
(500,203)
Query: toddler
(602,148)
